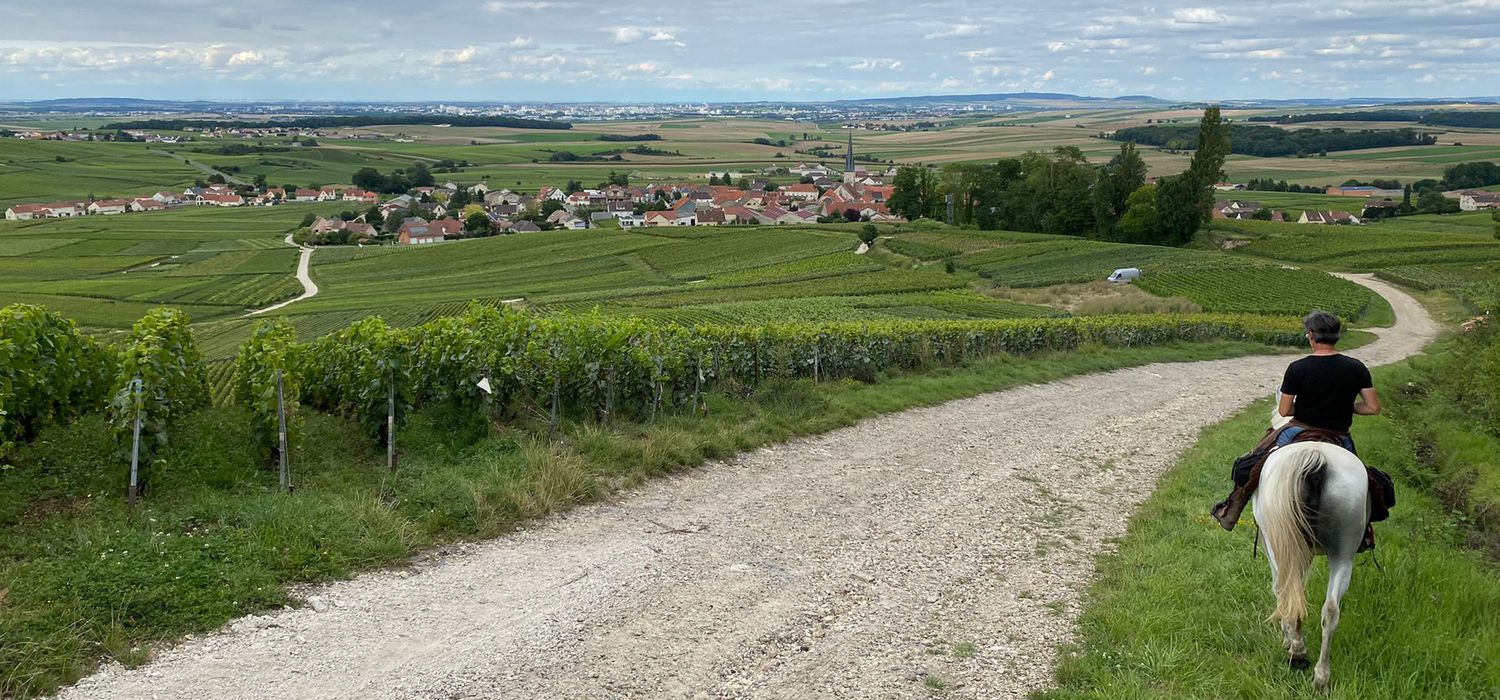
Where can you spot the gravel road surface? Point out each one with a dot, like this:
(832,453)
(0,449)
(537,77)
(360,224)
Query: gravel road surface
(946,544)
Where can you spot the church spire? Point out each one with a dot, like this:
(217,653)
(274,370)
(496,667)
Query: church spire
(849,153)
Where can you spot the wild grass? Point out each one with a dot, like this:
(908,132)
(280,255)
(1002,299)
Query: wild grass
(213,539)
(1179,610)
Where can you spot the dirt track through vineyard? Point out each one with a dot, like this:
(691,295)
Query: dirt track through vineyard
(834,566)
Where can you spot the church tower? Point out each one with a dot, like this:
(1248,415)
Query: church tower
(849,152)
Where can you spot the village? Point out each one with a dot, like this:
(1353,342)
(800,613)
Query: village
(446,211)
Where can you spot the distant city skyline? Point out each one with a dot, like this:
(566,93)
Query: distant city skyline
(570,51)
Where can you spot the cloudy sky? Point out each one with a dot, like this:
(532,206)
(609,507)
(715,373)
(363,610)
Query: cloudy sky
(565,50)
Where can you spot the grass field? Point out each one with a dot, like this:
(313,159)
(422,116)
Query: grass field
(30,171)
(106,271)
(519,158)
(232,544)
(1179,610)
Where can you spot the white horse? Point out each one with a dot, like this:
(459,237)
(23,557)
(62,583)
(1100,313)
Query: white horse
(1313,498)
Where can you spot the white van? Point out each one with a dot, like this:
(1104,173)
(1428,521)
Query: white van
(1125,274)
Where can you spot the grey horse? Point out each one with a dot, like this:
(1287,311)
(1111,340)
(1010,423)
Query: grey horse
(1313,498)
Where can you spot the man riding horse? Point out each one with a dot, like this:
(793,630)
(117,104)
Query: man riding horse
(1321,394)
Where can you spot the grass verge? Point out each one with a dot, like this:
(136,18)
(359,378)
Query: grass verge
(81,581)
(1179,610)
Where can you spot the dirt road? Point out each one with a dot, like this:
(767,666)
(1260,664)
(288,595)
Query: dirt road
(941,545)
(309,287)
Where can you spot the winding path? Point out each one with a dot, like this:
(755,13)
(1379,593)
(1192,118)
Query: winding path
(830,567)
(309,287)
(203,167)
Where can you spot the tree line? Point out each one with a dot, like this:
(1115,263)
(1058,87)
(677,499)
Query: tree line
(344,121)
(1475,119)
(1382,115)
(397,182)
(1061,192)
(1270,141)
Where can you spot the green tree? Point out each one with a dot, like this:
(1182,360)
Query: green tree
(418,175)
(868,233)
(573,186)
(1139,223)
(1406,205)
(1207,165)
(963,181)
(477,222)
(1177,214)
(1433,202)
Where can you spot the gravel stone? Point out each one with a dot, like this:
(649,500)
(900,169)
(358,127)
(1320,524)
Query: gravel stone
(826,567)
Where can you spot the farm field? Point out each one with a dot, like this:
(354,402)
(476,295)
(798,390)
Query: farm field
(217,264)
(620,324)
(519,158)
(45,171)
(106,271)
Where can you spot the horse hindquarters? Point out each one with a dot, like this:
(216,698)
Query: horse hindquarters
(1344,509)
(1285,529)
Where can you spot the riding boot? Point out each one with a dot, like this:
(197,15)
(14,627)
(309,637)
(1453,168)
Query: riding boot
(1227,511)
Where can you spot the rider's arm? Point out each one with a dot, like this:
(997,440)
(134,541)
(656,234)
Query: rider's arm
(1368,403)
(1288,405)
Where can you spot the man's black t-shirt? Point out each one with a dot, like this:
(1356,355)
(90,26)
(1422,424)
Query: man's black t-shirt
(1325,387)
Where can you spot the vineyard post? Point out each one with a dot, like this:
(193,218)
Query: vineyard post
(609,395)
(390,422)
(817,359)
(697,382)
(135,446)
(286,475)
(489,396)
(556,399)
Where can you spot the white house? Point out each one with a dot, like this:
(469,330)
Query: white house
(1477,200)
(109,206)
(25,212)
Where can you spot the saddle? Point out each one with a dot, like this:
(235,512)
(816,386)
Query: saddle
(1247,468)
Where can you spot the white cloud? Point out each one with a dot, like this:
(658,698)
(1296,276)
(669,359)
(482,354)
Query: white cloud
(1057,46)
(628,35)
(247,58)
(521,42)
(875,64)
(955,31)
(1148,70)
(499,7)
(631,35)
(1197,15)
(464,55)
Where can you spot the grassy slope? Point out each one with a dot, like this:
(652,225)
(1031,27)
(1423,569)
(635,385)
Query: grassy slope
(214,540)
(1179,610)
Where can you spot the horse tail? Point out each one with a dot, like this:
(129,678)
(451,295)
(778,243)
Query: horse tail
(1284,524)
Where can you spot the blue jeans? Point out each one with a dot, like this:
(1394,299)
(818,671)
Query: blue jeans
(1291,433)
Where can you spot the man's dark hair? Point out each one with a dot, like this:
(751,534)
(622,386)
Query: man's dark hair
(1324,327)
